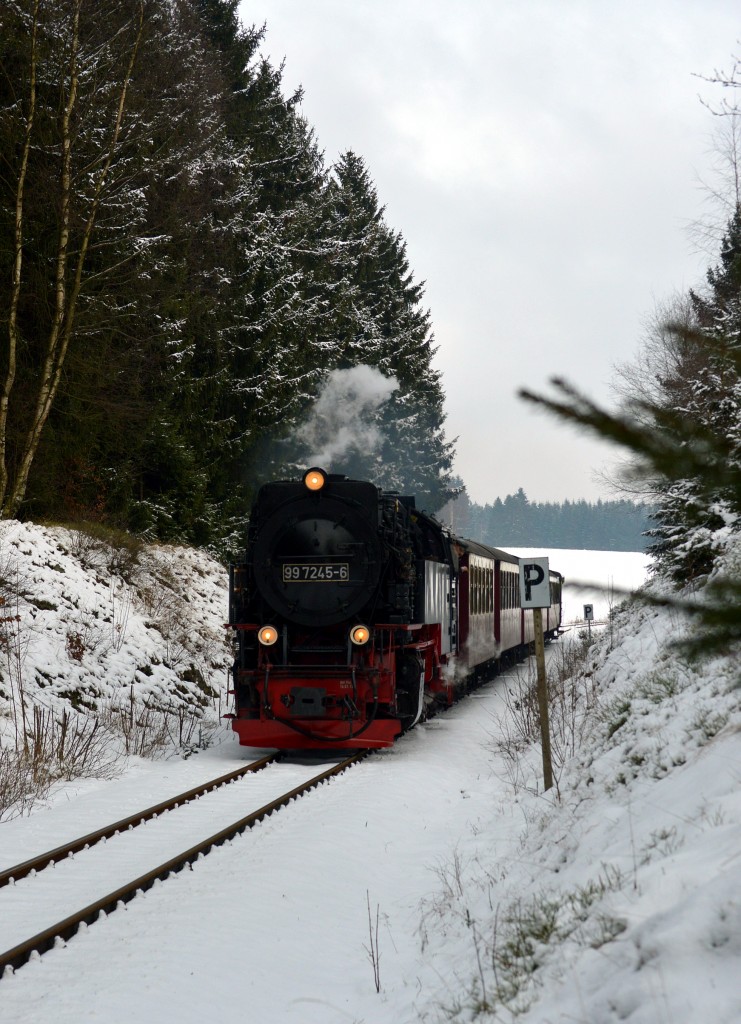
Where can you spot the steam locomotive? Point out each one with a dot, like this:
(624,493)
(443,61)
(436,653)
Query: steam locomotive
(355,614)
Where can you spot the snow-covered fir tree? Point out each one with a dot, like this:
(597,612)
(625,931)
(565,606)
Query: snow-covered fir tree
(381,322)
(695,514)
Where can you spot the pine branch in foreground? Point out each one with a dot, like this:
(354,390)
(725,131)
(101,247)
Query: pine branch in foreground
(671,448)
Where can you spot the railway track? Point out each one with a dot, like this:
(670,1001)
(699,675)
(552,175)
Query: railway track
(77,888)
(43,860)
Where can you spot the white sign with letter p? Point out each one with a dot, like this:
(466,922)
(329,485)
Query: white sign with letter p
(535,584)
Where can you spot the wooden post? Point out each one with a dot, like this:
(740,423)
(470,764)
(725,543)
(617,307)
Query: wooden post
(545,731)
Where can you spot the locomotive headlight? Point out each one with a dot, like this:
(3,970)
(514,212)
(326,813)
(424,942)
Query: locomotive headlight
(360,635)
(267,635)
(315,479)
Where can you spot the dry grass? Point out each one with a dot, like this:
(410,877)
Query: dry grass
(53,748)
(572,699)
(147,730)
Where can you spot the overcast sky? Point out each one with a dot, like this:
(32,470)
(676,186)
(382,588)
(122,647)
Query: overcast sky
(542,159)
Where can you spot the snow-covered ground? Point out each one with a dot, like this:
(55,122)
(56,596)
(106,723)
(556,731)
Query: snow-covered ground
(92,621)
(599,578)
(614,896)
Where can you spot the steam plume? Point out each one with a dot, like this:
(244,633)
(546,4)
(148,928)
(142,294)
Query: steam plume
(344,418)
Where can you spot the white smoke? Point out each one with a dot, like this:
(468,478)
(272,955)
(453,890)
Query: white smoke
(344,417)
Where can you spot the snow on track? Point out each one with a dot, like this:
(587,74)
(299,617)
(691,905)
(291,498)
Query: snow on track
(43,899)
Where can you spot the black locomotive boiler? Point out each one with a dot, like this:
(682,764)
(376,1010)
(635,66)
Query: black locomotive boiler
(355,613)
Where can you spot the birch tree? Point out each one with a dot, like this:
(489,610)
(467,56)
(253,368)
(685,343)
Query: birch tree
(64,127)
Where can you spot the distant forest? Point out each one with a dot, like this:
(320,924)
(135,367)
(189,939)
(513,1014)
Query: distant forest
(517,522)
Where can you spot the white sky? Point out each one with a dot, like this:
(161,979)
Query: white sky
(542,160)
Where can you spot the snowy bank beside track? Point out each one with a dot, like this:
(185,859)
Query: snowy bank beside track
(618,897)
(97,622)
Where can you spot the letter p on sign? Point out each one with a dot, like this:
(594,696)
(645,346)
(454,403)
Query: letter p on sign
(535,585)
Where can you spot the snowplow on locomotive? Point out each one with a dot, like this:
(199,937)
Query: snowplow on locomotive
(355,613)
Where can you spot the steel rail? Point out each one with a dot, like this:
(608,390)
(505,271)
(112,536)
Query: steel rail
(43,860)
(63,930)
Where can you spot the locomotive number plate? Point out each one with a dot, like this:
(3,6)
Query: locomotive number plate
(316,572)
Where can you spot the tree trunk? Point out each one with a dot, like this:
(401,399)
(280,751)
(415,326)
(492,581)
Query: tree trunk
(15,292)
(65,306)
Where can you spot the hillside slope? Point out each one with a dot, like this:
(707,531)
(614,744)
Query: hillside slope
(619,896)
(96,621)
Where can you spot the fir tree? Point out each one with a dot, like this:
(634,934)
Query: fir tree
(704,388)
(379,320)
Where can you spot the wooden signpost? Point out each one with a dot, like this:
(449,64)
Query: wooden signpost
(535,593)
